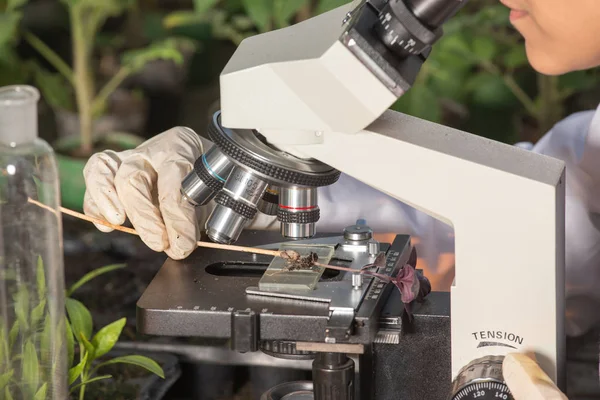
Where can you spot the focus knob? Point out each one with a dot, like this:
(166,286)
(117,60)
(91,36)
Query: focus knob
(481,379)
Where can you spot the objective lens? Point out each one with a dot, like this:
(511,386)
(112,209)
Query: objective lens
(298,212)
(236,206)
(207,178)
(269,203)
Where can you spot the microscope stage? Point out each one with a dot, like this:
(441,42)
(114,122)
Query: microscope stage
(215,294)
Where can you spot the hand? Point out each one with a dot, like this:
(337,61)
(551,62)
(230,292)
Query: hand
(144,185)
(527,381)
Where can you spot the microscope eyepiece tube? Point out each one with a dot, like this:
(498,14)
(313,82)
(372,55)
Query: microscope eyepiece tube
(434,13)
(236,206)
(411,27)
(298,212)
(207,178)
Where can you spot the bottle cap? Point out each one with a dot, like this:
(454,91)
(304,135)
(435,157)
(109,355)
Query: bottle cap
(18,114)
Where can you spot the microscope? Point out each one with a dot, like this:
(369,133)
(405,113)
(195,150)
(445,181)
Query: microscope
(303,104)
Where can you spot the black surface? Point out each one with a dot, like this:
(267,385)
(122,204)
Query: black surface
(420,367)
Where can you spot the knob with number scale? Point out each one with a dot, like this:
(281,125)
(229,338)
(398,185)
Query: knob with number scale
(481,379)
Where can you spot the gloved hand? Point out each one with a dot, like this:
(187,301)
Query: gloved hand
(144,185)
(526,380)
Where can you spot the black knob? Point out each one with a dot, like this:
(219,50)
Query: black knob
(333,377)
(411,27)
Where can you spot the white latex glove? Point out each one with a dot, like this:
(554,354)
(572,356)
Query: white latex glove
(143,185)
(526,380)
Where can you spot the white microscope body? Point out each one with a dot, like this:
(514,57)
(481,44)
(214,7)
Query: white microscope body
(319,90)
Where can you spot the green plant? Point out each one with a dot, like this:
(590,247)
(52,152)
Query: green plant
(86,17)
(26,348)
(10,68)
(33,349)
(237,20)
(92,347)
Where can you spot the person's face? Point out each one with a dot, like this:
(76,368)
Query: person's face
(560,35)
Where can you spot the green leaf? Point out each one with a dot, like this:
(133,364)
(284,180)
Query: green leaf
(489,90)
(516,57)
(92,275)
(54,88)
(242,22)
(106,338)
(21,299)
(7,395)
(41,394)
(40,274)
(38,313)
(178,19)
(328,5)
(70,343)
(76,371)
(261,12)
(13,334)
(140,361)
(202,6)
(420,102)
(484,48)
(9,22)
(89,348)
(96,379)
(30,369)
(163,50)
(285,10)
(46,342)
(81,318)
(5,379)
(577,81)
(12,5)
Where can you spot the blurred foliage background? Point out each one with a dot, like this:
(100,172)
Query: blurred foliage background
(476,79)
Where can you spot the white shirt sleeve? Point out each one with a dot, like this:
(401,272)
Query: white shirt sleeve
(576,141)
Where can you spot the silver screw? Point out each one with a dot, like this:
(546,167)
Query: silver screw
(357,281)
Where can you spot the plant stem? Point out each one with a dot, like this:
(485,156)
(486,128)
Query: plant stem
(550,99)
(82,392)
(83,373)
(83,80)
(49,55)
(514,87)
(108,89)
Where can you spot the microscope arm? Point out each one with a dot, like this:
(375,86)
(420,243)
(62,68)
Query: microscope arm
(506,206)
(320,90)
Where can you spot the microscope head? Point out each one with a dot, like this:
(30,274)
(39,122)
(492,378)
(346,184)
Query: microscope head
(283,89)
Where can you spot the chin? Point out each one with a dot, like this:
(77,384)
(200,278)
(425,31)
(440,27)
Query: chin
(545,63)
(551,63)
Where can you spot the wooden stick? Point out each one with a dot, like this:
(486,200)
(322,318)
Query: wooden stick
(212,245)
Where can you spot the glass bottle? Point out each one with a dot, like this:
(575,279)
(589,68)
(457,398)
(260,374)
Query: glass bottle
(33,341)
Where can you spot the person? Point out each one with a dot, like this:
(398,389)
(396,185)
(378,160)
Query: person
(560,36)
